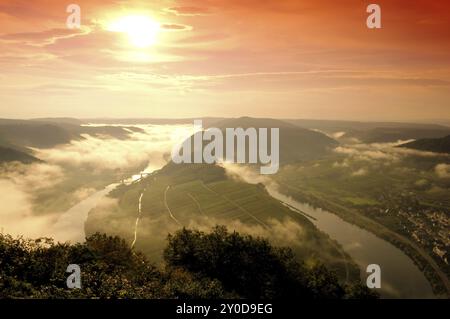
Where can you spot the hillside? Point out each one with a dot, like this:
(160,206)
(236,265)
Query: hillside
(337,125)
(374,132)
(395,134)
(436,145)
(201,196)
(11,155)
(34,134)
(296,143)
(48,133)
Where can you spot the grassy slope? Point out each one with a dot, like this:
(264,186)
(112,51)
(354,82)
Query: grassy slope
(202,196)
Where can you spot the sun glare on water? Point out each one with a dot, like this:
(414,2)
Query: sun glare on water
(141,30)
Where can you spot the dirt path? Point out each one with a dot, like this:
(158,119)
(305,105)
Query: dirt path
(138,218)
(168,208)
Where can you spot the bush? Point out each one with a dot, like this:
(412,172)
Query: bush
(198,265)
(252,268)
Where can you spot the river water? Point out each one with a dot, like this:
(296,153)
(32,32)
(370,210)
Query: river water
(400,277)
(70,225)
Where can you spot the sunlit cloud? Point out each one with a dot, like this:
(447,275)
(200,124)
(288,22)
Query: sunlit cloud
(273,53)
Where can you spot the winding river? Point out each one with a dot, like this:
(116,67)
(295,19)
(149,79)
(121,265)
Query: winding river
(70,225)
(400,277)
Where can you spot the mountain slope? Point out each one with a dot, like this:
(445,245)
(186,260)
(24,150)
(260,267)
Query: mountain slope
(387,135)
(436,145)
(10,155)
(296,143)
(203,195)
(32,134)
(375,132)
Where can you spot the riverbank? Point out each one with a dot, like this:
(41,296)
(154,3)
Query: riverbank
(435,276)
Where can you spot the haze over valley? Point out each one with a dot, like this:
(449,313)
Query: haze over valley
(226,149)
(56,173)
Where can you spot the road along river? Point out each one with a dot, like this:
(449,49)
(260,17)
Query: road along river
(400,277)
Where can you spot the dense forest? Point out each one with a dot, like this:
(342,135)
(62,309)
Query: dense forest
(219,264)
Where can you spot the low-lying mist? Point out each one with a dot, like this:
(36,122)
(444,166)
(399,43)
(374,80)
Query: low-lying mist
(34,196)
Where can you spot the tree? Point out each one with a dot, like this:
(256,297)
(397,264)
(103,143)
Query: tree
(250,267)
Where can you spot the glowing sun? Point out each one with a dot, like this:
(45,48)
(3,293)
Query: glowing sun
(141,30)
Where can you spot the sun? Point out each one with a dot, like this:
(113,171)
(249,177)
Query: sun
(141,30)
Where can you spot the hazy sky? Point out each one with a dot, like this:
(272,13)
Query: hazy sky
(272,58)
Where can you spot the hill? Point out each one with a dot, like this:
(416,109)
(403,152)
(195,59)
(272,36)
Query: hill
(296,143)
(336,125)
(389,135)
(31,134)
(374,132)
(436,145)
(48,133)
(11,155)
(201,195)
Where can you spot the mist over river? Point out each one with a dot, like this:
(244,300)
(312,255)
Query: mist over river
(400,277)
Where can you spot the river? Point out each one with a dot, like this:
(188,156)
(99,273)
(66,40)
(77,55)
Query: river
(400,277)
(70,225)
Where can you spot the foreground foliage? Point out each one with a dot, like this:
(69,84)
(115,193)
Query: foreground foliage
(197,265)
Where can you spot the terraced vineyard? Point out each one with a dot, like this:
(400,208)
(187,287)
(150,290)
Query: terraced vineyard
(207,197)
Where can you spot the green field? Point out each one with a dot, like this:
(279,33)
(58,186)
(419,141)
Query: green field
(202,196)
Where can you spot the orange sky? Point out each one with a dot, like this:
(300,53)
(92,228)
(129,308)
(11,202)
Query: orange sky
(271,58)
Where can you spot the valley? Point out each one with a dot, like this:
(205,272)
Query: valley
(397,193)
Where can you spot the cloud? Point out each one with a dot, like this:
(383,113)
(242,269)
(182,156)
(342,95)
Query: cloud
(16,195)
(387,152)
(32,177)
(360,172)
(187,11)
(43,37)
(142,148)
(230,39)
(22,184)
(175,27)
(246,174)
(338,134)
(16,216)
(344,163)
(442,170)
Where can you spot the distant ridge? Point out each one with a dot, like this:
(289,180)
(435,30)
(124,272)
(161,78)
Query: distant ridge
(436,145)
(375,132)
(296,143)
